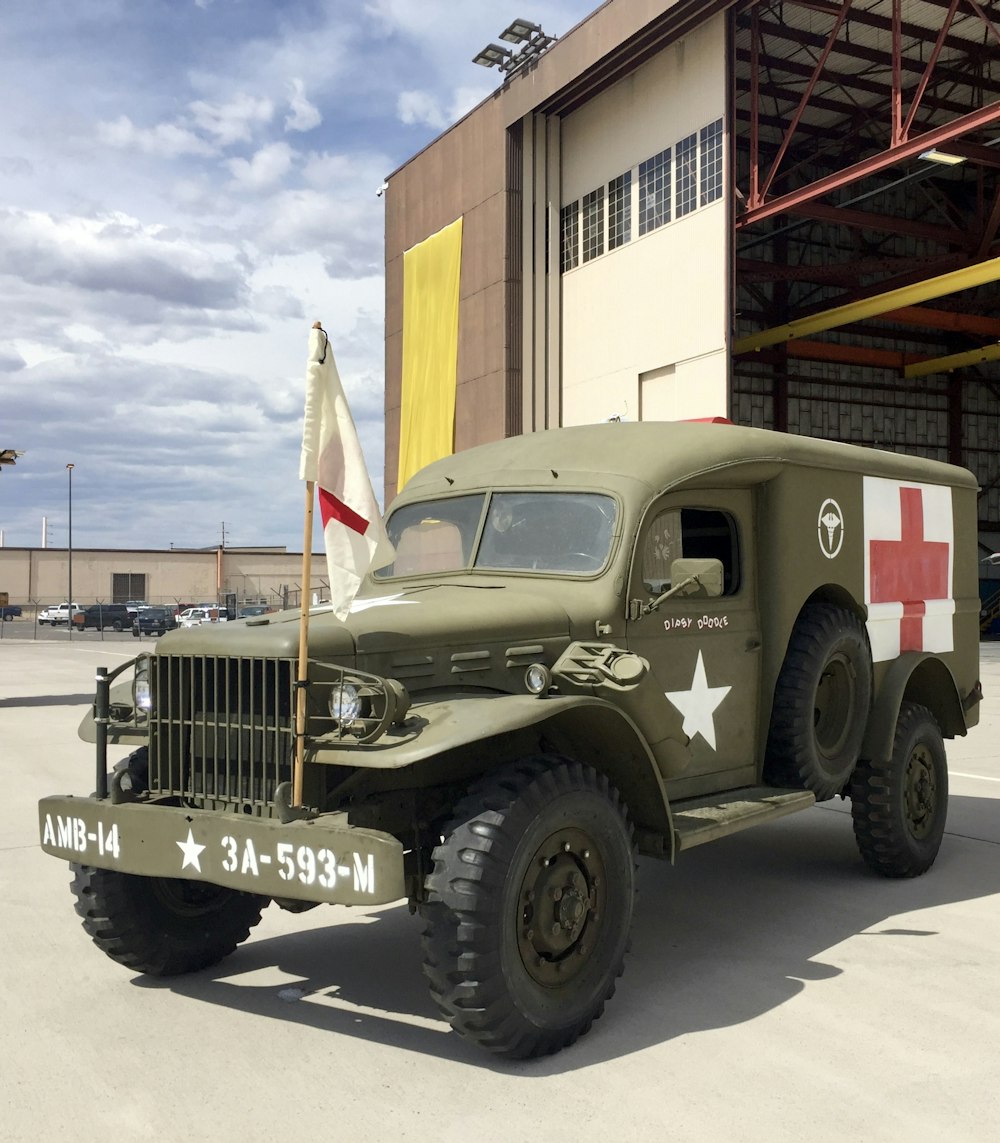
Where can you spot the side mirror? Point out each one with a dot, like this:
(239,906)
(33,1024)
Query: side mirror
(702,579)
(698,579)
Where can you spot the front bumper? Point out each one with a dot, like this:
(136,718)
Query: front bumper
(323,859)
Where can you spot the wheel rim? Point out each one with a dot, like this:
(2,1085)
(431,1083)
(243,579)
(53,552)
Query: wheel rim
(834,705)
(188,898)
(920,792)
(561,907)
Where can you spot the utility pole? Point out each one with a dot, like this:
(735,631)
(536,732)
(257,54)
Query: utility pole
(69,550)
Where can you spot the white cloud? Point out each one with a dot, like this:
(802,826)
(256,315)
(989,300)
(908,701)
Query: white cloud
(421,107)
(264,168)
(167,140)
(234,121)
(182,199)
(303,115)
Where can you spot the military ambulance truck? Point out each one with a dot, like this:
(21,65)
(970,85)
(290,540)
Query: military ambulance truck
(594,643)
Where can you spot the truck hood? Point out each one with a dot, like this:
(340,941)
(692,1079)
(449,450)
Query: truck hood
(386,634)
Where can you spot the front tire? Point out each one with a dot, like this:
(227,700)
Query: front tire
(529,906)
(899,807)
(162,926)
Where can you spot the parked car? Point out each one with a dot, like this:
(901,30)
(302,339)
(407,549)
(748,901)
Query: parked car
(153,621)
(254,609)
(195,616)
(59,613)
(10,611)
(101,615)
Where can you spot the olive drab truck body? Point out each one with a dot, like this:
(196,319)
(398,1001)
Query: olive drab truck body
(593,642)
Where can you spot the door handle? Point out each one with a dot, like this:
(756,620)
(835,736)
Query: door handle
(753,645)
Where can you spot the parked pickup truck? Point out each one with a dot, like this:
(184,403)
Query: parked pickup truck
(58,614)
(592,642)
(10,611)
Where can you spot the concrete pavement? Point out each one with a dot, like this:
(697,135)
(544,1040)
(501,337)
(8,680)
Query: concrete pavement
(776,991)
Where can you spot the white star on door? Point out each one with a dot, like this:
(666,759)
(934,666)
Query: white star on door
(698,705)
(191,850)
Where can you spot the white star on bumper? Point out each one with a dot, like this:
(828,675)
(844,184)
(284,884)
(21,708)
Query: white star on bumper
(698,705)
(191,850)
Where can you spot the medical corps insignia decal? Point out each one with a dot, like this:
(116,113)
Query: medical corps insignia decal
(909,537)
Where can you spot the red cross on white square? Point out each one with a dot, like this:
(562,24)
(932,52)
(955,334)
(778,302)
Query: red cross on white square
(908,544)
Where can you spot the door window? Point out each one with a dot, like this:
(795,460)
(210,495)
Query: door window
(690,533)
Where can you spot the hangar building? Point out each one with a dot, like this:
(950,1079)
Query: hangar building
(785,212)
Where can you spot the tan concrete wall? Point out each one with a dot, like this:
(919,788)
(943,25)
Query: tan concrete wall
(463,173)
(634,343)
(42,574)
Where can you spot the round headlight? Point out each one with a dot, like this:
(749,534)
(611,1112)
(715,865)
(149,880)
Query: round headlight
(142,694)
(345,702)
(537,678)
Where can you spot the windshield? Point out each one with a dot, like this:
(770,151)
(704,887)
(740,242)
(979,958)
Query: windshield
(560,532)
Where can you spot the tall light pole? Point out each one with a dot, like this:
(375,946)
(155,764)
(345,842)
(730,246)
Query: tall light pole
(69,548)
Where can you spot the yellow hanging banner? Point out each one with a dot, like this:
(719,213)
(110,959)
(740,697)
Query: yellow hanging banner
(431,273)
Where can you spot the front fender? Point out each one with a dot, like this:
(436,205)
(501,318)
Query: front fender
(585,727)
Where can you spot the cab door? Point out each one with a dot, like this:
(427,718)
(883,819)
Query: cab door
(703,652)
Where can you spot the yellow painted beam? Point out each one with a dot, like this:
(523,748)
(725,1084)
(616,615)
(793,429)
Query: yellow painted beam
(950,283)
(954,361)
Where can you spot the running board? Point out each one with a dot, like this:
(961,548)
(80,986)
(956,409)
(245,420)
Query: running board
(697,820)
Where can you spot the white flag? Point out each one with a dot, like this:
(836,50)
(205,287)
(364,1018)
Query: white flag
(353,532)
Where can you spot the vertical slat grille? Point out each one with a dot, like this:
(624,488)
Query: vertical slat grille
(221,729)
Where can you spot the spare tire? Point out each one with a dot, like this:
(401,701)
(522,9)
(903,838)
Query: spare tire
(821,702)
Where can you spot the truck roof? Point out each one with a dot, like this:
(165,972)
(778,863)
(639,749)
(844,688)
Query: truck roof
(661,454)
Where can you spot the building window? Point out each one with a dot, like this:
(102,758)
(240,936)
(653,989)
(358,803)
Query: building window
(687,175)
(654,192)
(570,235)
(127,586)
(619,210)
(711,163)
(593,224)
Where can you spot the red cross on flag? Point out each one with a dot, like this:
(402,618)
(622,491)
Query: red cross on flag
(353,532)
(909,537)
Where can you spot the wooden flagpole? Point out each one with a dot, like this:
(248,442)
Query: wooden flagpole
(303,672)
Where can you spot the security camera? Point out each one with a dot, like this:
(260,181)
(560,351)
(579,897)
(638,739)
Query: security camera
(379,191)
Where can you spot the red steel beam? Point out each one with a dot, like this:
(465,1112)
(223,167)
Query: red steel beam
(950,320)
(867,220)
(757,200)
(928,71)
(852,354)
(973,121)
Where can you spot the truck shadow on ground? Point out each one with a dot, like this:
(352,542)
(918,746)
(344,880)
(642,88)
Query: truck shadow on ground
(48,700)
(733,931)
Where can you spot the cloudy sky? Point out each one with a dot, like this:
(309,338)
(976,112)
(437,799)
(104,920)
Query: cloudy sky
(185,186)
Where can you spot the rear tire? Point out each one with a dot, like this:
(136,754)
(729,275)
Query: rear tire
(529,907)
(162,926)
(821,702)
(899,807)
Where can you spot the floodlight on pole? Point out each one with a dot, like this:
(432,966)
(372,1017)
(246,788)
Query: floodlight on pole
(492,56)
(519,31)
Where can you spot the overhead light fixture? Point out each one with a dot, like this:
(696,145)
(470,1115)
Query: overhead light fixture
(492,56)
(518,31)
(942,157)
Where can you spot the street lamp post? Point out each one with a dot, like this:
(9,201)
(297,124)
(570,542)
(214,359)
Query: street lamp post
(69,549)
